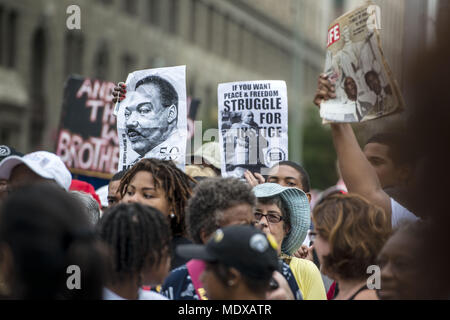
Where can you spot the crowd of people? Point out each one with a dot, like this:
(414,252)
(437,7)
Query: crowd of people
(168,234)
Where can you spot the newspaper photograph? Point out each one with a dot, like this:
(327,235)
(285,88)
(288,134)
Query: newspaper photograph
(151,120)
(355,64)
(253,124)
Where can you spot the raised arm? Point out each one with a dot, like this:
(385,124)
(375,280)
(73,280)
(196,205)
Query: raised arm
(359,176)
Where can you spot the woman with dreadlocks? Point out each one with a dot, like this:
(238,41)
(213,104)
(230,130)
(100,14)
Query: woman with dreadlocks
(160,184)
(138,237)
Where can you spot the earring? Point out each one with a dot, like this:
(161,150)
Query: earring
(172,215)
(230,283)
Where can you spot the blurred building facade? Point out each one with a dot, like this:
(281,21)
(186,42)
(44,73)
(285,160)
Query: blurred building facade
(218,41)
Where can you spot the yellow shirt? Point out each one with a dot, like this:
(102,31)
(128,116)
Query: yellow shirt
(308,279)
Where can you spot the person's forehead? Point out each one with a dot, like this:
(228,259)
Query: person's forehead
(136,98)
(113,186)
(376,149)
(284,171)
(23,170)
(268,207)
(372,76)
(237,211)
(143,177)
(150,93)
(149,90)
(22,175)
(398,242)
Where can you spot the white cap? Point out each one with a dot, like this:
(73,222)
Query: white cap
(45,164)
(103,195)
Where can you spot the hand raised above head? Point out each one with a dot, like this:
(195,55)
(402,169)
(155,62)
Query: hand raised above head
(325,90)
(253,179)
(119,92)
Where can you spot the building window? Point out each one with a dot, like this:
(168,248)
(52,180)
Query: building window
(154,12)
(105,2)
(240,42)
(193,22)
(74,45)
(128,63)
(1,35)
(130,7)
(8,37)
(209,28)
(339,7)
(174,14)
(12,36)
(101,62)
(226,37)
(37,90)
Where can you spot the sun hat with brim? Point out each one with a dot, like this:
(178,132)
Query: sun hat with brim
(297,205)
(45,164)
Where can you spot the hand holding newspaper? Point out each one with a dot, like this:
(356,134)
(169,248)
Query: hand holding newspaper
(365,87)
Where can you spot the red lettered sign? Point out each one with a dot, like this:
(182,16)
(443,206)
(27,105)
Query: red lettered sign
(334,34)
(87,138)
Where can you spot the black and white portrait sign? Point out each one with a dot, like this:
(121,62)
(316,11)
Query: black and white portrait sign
(253,124)
(151,120)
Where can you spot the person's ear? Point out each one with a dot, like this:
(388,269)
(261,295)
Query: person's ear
(234,277)
(204,237)
(287,228)
(173,114)
(404,174)
(309,197)
(6,266)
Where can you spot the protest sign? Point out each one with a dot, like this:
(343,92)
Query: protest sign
(87,139)
(253,126)
(151,120)
(355,64)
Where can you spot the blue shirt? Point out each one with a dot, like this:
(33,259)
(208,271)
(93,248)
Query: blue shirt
(178,285)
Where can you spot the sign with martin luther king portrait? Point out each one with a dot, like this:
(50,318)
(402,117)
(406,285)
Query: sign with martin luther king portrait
(151,120)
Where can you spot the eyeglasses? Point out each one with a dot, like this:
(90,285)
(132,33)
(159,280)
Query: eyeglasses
(271,218)
(312,236)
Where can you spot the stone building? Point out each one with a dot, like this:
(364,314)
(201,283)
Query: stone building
(218,40)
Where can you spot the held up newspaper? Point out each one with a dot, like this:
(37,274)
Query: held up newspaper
(355,64)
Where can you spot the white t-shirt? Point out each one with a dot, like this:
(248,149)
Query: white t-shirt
(400,213)
(143,295)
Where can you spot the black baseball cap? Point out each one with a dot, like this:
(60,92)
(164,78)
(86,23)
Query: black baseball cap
(243,247)
(6,151)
